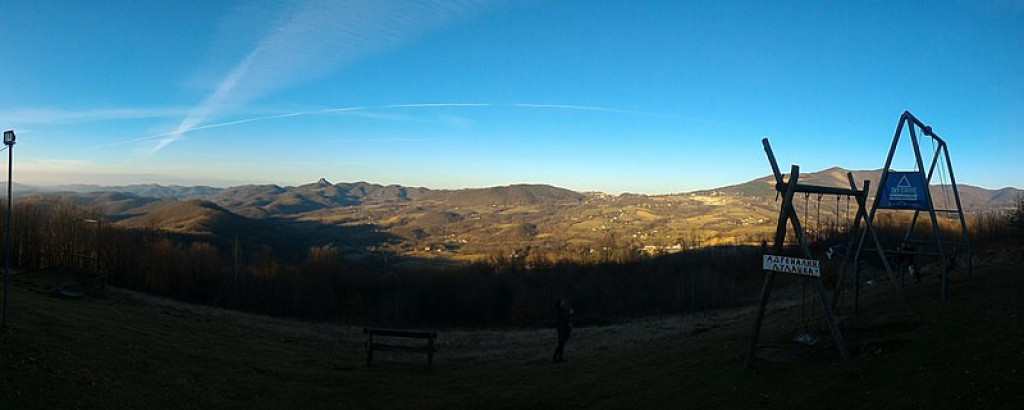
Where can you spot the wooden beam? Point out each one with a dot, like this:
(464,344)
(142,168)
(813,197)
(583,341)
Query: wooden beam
(780,238)
(771,160)
(805,189)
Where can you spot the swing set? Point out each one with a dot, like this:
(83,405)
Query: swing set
(808,266)
(896,190)
(910,190)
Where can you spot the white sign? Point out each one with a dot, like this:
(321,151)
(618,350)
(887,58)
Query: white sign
(903,191)
(808,267)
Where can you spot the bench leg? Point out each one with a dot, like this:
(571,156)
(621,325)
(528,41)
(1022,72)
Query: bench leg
(430,353)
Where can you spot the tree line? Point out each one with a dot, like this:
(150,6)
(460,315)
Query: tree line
(322,285)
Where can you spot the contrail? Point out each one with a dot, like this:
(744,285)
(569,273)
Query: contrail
(313,39)
(621,111)
(428,105)
(209,106)
(179,132)
(578,108)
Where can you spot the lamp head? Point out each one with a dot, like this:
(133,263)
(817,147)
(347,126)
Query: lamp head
(9,137)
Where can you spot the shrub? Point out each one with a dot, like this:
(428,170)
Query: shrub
(1016,217)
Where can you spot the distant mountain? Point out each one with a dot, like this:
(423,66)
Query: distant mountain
(380,193)
(146,190)
(971,197)
(508,195)
(265,201)
(254,201)
(257,201)
(361,218)
(833,177)
(249,200)
(354,193)
(114,203)
(17,188)
(191,216)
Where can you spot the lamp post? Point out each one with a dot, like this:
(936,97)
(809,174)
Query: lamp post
(9,142)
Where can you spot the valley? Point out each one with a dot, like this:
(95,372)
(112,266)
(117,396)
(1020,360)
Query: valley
(372,222)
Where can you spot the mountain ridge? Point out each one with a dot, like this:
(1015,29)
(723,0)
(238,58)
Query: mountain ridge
(264,200)
(470,224)
(832,176)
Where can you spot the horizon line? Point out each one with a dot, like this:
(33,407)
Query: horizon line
(226,185)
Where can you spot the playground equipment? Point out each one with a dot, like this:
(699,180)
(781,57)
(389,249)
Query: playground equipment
(897,190)
(910,190)
(808,266)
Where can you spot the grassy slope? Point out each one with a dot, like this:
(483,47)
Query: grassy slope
(113,351)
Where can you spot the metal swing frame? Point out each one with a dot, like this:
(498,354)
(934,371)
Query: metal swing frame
(913,126)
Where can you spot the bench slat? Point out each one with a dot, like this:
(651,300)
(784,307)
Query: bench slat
(400,348)
(371,345)
(400,333)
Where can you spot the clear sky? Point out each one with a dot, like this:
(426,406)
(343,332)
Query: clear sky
(616,96)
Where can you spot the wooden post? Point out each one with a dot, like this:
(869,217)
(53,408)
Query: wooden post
(369,348)
(430,353)
(780,238)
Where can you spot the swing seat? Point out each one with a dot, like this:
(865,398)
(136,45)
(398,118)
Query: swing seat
(806,338)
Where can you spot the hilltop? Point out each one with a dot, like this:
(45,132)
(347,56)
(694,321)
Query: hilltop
(270,199)
(972,197)
(190,216)
(508,196)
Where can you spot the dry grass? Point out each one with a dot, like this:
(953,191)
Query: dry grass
(122,350)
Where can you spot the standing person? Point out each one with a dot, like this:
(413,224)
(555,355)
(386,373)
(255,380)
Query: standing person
(905,259)
(564,323)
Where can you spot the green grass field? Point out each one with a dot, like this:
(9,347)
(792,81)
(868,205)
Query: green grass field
(113,350)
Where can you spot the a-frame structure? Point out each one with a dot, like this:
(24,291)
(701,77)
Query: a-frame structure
(910,190)
(788,215)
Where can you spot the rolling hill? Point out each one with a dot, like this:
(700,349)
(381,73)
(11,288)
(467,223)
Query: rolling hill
(190,216)
(260,201)
(469,224)
(507,195)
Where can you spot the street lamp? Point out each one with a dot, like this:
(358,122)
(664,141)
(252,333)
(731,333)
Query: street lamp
(9,142)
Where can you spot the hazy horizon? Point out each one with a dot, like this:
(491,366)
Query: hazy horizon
(229,184)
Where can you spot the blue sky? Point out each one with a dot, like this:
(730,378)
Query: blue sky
(616,96)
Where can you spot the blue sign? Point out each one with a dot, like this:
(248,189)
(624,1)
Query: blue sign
(904,190)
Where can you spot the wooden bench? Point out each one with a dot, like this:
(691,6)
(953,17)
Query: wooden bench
(372,345)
